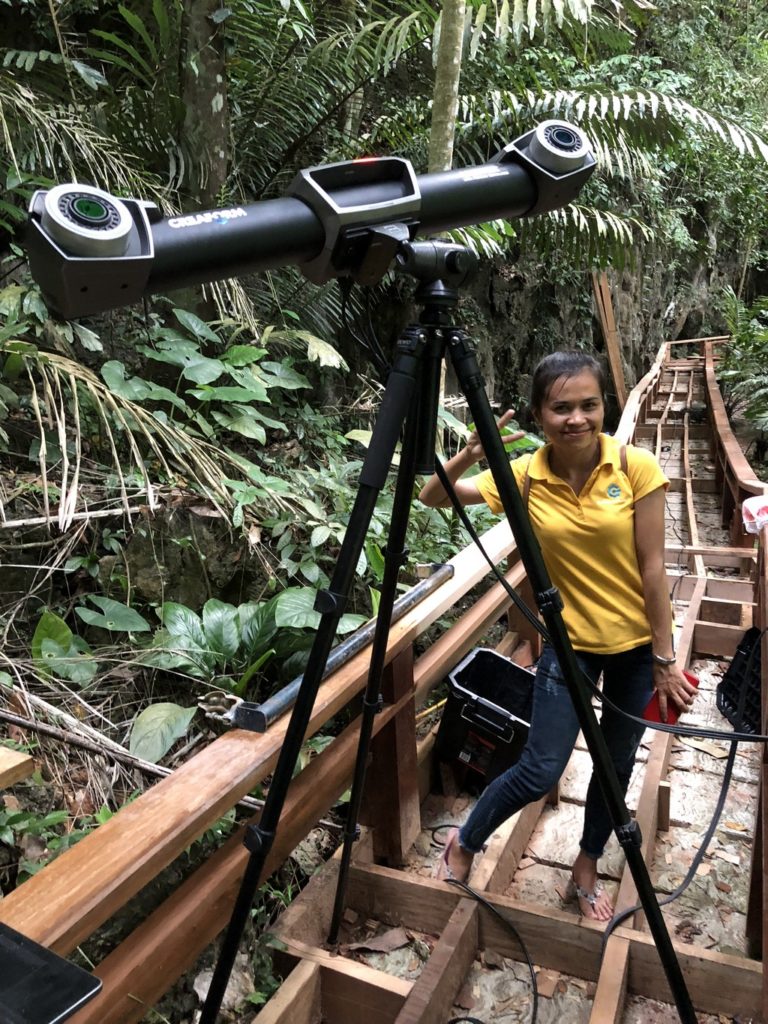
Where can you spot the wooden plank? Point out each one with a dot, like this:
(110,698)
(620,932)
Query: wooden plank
(435,991)
(298,1000)
(506,846)
(518,623)
(391,799)
(611,995)
(554,938)
(351,991)
(719,641)
(731,590)
(729,556)
(725,612)
(348,999)
(14,767)
(602,292)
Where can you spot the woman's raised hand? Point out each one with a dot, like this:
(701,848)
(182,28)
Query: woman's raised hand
(475,448)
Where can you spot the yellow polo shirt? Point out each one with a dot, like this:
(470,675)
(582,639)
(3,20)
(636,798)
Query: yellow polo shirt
(588,542)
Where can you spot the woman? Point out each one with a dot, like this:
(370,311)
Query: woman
(597,509)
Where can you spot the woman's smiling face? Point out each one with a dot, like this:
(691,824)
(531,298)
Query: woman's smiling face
(571,415)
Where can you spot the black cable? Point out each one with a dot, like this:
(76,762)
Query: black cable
(507,924)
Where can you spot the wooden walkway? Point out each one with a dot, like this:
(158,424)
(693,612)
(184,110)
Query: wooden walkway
(720,589)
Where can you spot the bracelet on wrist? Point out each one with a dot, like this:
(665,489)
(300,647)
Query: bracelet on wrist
(661,660)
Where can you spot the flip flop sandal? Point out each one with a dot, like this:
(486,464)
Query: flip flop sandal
(576,892)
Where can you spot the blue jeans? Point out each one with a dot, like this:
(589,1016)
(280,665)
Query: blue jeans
(628,682)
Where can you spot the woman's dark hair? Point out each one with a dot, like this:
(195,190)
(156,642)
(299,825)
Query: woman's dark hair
(562,364)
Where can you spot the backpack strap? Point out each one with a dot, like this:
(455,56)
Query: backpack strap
(623,460)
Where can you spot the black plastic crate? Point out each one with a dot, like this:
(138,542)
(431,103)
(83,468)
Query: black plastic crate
(486,717)
(744,671)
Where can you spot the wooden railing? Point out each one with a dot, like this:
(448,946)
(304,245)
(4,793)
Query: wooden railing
(69,899)
(734,475)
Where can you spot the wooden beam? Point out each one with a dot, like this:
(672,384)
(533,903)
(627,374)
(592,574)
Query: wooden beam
(719,641)
(435,991)
(720,610)
(14,766)
(662,812)
(506,846)
(351,991)
(391,800)
(602,292)
(611,994)
(298,1000)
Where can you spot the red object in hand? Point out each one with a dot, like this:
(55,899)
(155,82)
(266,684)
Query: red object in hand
(652,712)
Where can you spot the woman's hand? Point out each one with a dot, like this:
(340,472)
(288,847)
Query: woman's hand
(474,448)
(671,684)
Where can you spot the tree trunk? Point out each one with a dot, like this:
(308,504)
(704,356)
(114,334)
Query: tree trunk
(445,99)
(204,94)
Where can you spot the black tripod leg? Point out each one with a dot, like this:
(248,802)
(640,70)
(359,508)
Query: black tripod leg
(420,425)
(548,599)
(259,838)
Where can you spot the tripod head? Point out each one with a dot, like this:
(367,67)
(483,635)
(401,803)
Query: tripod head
(91,251)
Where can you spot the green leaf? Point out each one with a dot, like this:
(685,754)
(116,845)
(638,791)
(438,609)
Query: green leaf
(243,424)
(243,355)
(320,535)
(186,354)
(50,627)
(222,631)
(257,625)
(113,374)
(199,328)
(92,77)
(229,394)
(284,376)
(349,623)
(157,728)
(88,339)
(294,608)
(56,651)
(115,616)
(183,624)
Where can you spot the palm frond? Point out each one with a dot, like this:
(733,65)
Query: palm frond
(134,440)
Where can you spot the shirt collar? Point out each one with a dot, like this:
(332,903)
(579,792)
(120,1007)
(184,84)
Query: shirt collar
(610,455)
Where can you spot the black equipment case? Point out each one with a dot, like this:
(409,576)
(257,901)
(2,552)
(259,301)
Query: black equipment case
(486,717)
(743,673)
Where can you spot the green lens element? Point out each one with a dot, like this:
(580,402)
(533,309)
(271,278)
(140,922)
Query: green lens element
(89,210)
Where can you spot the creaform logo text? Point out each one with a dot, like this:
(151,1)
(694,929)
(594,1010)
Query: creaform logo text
(212,217)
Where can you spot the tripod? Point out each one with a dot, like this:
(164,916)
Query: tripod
(411,398)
